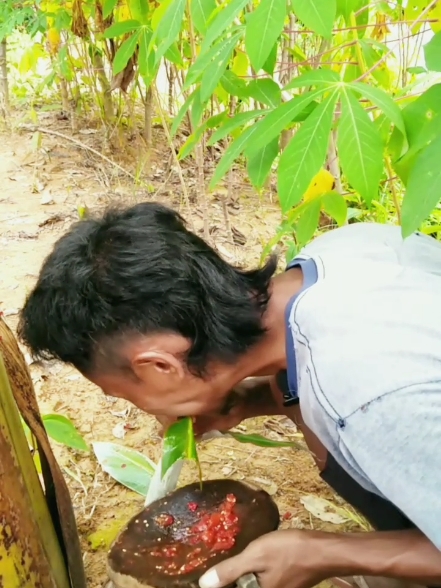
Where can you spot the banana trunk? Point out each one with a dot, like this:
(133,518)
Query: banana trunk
(39,545)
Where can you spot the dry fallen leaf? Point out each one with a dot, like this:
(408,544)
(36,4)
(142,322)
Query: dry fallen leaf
(322,509)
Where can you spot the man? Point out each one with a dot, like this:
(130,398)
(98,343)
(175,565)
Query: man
(149,312)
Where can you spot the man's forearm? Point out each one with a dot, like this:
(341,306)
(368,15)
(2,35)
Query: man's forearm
(407,555)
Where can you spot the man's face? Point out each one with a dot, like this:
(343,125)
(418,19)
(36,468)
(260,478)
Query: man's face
(158,381)
(188,396)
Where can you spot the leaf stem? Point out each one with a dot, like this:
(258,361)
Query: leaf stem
(393,188)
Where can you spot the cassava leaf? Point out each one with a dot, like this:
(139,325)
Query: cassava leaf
(263,28)
(108,7)
(121,28)
(200,12)
(259,166)
(277,120)
(423,188)
(304,156)
(204,60)
(169,27)
(232,124)
(221,21)
(318,77)
(318,15)
(182,112)
(360,148)
(231,154)
(335,206)
(213,74)
(308,221)
(381,99)
(125,52)
(432,53)
(266,91)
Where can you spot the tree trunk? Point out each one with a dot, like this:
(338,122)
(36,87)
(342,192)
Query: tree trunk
(30,554)
(4,89)
(106,90)
(39,544)
(148,115)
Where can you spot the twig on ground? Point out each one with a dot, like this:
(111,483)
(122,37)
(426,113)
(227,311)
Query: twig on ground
(34,129)
(176,161)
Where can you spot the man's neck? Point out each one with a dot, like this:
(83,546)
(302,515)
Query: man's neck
(269,356)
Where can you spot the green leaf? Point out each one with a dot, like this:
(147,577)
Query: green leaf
(204,61)
(347,7)
(169,27)
(270,64)
(213,74)
(259,166)
(139,9)
(264,27)
(432,53)
(261,441)
(418,69)
(317,77)
(308,222)
(232,153)
(121,28)
(277,120)
(381,99)
(233,84)
(179,443)
(62,430)
(127,466)
(418,112)
(200,12)
(182,112)
(125,52)
(197,109)
(304,155)
(318,15)
(335,206)
(266,91)
(223,19)
(381,72)
(429,131)
(416,116)
(423,188)
(191,142)
(146,59)
(303,115)
(232,124)
(174,55)
(109,7)
(360,148)
(195,137)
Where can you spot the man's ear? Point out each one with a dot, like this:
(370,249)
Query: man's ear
(154,364)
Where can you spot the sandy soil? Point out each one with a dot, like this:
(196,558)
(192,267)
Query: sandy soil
(42,186)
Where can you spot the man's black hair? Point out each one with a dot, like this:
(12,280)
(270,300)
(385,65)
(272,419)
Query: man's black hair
(139,271)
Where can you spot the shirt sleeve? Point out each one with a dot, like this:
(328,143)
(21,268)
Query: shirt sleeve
(395,440)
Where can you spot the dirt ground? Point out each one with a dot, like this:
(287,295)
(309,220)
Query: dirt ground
(43,184)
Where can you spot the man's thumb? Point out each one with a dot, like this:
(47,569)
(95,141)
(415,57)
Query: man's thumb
(226,572)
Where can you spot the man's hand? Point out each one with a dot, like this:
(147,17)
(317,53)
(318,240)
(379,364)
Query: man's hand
(283,559)
(302,559)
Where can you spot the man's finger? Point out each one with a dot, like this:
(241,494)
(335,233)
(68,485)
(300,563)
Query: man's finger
(227,572)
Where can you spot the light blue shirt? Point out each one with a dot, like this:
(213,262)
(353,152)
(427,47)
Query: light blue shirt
(367,342)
